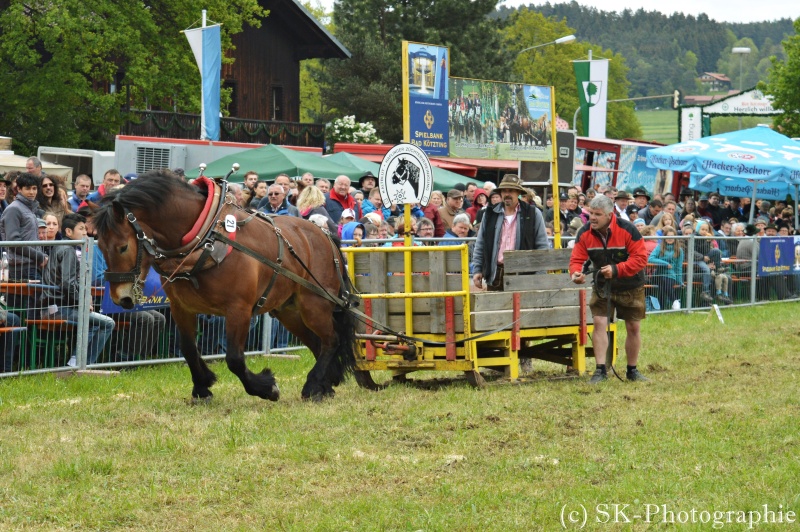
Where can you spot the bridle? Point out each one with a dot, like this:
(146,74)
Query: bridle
(134,275)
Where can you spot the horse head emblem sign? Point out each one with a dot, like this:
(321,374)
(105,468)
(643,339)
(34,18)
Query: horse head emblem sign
(406,176)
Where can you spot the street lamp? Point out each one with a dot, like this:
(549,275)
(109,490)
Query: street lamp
(561,40)
(741,51)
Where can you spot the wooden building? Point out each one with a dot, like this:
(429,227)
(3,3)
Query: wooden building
(265,77)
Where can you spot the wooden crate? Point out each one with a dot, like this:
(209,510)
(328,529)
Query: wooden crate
(431,271)
(547,299)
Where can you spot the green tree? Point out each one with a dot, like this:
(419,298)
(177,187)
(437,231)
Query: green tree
(311,107)
(784,79)
(68,68)
(551,65)
(369,84)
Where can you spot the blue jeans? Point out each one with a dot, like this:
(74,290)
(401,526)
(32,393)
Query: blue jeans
(705,272)
(10,342)
(100,329)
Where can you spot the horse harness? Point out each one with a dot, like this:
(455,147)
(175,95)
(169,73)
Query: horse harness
(203,253)
(206,248)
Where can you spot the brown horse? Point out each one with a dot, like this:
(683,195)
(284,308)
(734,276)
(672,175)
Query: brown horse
(154,221)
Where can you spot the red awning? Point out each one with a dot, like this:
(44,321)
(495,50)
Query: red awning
(494,164)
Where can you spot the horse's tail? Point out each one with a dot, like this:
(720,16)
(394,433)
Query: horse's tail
(344,357)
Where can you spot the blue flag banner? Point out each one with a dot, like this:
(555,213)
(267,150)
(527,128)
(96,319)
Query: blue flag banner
(776,255)
(156,298)
(207,48)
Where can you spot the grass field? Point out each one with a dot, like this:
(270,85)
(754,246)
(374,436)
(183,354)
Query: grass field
(716,430)
(659,126)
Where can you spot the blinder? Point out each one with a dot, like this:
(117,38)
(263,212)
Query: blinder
(142,244)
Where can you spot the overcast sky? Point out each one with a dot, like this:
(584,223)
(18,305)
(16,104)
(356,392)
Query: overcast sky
(721,10)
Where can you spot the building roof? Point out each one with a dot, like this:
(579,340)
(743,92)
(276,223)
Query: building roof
(313,39)
(717,76)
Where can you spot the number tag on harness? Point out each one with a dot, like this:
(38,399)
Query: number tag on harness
(230,223)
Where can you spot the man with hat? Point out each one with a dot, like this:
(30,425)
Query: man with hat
(640,198)
(509,225)
(683,195)
(453,204)
(761,224)
(463,188)
(367,182)
(621,201)
(619,281)
(702,207)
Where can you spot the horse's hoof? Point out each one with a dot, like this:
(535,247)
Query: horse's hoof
(202,400)
(275,393)
(203,393)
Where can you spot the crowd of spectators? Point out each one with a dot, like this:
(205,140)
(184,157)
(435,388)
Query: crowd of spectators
(36,207)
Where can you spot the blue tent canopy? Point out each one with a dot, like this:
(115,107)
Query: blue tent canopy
(759,154)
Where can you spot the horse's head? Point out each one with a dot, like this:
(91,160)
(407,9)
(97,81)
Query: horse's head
(126,262)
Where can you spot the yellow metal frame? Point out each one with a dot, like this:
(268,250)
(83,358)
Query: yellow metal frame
(433,357)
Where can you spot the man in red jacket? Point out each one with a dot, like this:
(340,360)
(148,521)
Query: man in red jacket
(615,249)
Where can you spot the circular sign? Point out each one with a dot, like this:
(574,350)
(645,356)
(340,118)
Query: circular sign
(406,176)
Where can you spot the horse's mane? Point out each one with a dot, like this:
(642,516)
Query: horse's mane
(148,192)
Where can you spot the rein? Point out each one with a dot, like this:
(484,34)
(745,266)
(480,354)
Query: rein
(343,301)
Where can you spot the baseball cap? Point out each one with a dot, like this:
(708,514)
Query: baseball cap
(348,213)
(455,193)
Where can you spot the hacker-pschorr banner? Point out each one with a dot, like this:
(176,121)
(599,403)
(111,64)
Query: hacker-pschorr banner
(494,120)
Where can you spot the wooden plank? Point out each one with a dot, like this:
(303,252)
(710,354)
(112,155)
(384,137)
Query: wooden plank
(536,260)
(550,317)
(529,299)
(421,262)
(361,262)
(547,281)
(421,283)
(438,282)
(421,323)
(378,285)
(422,305)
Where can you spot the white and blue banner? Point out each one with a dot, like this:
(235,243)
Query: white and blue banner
(207,48)
(740,188)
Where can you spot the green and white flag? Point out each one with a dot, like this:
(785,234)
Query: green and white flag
(592,77)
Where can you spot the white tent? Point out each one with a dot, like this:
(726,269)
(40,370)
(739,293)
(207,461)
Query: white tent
(12,163)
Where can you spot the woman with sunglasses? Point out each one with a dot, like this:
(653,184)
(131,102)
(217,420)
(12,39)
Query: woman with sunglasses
(50,198)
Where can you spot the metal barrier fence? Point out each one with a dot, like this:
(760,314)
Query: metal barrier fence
(42,327)
(54,318)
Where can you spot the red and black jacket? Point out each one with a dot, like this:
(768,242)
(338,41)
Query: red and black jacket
(623,249)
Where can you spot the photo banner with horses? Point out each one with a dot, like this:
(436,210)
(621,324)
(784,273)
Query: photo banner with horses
(425,95)
(496,120)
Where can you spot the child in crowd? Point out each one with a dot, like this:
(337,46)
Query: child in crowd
(713,257)
(668,256)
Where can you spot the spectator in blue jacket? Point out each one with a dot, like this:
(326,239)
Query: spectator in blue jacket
(668,256)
